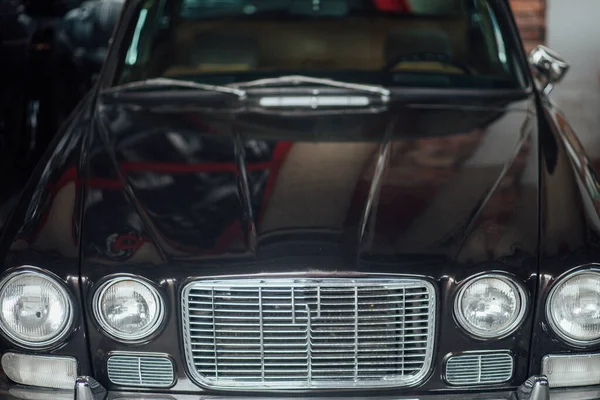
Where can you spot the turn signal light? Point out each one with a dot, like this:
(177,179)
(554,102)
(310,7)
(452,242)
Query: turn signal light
(41,371)
(572,370)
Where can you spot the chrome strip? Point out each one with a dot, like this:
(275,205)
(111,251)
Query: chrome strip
(422,339)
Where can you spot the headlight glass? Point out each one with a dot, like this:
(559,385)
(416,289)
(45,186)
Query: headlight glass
(573,308)
(128,309)
(35,309)
(490,306)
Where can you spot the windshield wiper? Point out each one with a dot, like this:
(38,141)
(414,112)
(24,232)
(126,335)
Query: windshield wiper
(300,79)
(237,89)
(174,83)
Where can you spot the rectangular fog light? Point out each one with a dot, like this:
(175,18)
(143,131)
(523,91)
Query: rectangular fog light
(41,371)
(572,370)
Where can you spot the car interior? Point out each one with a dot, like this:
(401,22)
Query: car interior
(420,41)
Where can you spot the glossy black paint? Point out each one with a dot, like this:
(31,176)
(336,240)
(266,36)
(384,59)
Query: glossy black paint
(313,203)
(43,231)
(445,188)
(569,237)
(236,199)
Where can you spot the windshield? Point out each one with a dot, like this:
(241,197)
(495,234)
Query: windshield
(418,43)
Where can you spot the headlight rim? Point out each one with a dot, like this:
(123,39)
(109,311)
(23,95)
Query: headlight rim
(67,326)
(554,329)
(522,297)
(110,332)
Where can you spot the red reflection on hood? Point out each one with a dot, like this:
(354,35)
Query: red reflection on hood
(398,6)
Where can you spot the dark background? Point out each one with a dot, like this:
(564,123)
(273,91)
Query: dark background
(51,52)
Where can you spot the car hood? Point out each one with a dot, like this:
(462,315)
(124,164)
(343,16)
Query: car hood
(412,182)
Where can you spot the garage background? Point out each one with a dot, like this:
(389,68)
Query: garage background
(531,17)
(570,27)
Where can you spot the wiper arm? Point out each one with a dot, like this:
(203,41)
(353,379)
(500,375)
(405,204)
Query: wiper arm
(299,79)
(174,83)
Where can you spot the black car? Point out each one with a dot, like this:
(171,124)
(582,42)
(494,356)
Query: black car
(330,198)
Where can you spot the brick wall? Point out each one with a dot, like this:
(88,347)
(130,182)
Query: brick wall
(531,18)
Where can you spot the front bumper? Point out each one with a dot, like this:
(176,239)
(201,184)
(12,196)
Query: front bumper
(535,388)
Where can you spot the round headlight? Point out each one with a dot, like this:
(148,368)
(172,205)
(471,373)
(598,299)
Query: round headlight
(35,309)
(490,306)
(573,308)
(128,309)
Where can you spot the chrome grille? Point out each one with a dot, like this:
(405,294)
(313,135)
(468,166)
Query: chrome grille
(140,370)
(481,368)
(309,333)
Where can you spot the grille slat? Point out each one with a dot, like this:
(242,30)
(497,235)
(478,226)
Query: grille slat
(143,370)
(136,369)
(276,311)
(255,325)
(286,319)
(219,304)
(291,331)
(393,337)
(309,333)
(481,368)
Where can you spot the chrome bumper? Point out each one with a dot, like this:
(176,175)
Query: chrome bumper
(535,388)
(86,388)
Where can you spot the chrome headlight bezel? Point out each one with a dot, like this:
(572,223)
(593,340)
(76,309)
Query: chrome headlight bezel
(108,330)
(66,326)
(554,327)
(520,296)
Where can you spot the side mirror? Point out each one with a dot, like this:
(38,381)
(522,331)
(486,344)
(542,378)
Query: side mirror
(548,66)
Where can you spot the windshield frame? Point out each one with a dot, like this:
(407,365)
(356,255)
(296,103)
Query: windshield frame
(115,61)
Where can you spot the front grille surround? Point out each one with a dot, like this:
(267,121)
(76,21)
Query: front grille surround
(400,331)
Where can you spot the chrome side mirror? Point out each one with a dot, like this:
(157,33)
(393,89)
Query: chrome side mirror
(548,66)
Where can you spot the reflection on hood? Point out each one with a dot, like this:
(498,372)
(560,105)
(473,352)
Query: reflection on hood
(207,187)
